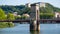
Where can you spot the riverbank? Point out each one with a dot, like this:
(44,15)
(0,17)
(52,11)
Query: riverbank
(6,24)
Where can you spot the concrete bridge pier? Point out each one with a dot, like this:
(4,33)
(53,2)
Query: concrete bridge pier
(34,16)
(38,26)
(33,26)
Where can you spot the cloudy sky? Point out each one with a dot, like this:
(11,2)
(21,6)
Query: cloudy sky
(19,2)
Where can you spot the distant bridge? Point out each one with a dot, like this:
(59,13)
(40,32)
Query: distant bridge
(43,20)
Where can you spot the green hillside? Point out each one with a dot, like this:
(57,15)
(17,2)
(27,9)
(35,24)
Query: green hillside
(49,8)
(45,12)
(21,8)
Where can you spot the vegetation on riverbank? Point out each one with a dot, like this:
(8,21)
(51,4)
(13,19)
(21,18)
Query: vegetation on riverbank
(6,24)
(4,17)
(46,15)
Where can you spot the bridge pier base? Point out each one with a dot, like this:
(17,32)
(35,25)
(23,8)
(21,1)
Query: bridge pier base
(38,26)
(34,26)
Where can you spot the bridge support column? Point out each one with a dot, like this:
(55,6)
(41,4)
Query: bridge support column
(34,26)
(38,26)
(34,17)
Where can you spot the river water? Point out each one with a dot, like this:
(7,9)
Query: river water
(24,29)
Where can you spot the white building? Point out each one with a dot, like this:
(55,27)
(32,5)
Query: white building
(28,5)
(15,13)
(27,15)
(57,15)
(41,4)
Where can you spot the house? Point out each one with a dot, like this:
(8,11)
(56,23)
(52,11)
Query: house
(27,15)
(57,15)
(15,13)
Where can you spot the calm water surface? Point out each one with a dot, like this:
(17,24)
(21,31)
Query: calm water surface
(24,29)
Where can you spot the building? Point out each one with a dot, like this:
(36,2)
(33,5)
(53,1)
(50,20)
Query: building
(28,5)
(41,4)
(15,13)
(27,15)
(57,15)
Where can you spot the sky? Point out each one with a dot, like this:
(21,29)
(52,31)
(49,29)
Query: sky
(55,3)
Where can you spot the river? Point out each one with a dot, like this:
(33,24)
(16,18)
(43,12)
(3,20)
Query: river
(24,29)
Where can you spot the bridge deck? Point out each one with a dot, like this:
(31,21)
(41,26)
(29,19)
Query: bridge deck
(28,20)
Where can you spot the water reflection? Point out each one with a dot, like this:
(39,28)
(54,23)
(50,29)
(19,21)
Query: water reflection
(34,32)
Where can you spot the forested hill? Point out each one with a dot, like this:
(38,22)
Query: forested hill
(22,9)
(49,8)
(7,8)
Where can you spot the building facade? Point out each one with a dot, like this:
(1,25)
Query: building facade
(41,4)
(28,5)
(15,13)
(57,15)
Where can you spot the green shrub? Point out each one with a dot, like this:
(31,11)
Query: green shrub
(6,24)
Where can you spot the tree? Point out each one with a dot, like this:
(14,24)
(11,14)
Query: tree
(46,15)
(2,15)
(24,11)
(10,16)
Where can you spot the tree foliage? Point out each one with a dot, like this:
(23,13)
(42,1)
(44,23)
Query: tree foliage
(2,15)
(46,15)
(10,16)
